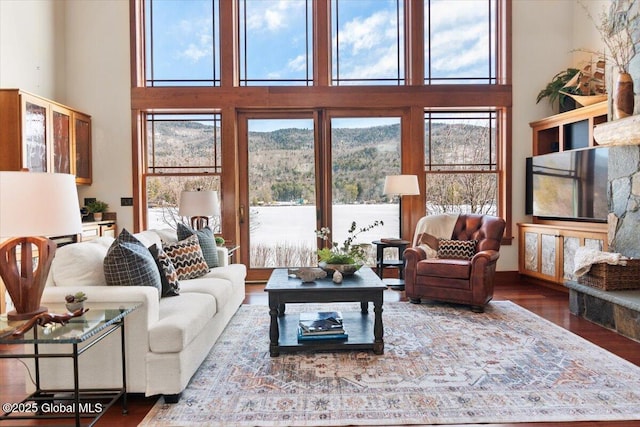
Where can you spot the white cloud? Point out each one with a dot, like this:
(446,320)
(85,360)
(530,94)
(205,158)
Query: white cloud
(194,53)
(368,33)
(273,15)
(197,37)
(299,63)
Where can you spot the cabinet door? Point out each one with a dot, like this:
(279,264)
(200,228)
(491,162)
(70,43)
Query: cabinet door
(35,144)
(61,121)
(82,148)
(539,253)
(572,241)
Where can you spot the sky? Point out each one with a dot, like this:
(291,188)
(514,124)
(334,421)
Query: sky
(276,40)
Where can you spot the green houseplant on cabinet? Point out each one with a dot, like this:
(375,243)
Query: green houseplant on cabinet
(554,90)
(97,208)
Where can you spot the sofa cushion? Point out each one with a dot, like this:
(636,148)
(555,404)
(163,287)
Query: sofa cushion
(187,258)
(148,238)
(167,235)
(220,289)
(129,263)
(181,320)
(80,264)
(168,274)
(207,242)
(457,249)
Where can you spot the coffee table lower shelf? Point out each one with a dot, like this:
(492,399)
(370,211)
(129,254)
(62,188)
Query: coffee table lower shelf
(359,327)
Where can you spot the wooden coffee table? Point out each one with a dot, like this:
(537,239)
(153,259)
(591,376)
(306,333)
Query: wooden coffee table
(365,331)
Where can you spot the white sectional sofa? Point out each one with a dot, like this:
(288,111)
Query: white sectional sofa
(166,338)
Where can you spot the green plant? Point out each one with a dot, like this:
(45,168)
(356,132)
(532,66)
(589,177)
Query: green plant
(219,240)
(556,85)
(77,297)
(96,206)
(349,252)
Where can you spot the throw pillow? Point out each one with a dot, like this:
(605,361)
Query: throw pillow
(187,258)
(207,242)
(456,249)
(168,274)
(129,263)
(80,264)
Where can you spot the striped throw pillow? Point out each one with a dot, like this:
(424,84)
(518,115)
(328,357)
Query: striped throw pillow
(456,249)
(187,258)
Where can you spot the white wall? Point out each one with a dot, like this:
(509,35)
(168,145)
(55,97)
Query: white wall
(95,46)
(32,48)
(99,83)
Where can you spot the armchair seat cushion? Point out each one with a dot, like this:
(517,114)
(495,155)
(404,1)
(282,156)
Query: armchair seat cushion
(445,268)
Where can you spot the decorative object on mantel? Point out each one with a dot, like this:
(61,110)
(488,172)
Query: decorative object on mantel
(618,30)
(587,86)
(97,208)
(22,196)
(624,131)
(307,274)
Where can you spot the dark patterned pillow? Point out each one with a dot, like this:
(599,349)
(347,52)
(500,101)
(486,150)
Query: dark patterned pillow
(187,258)
(207,242)
(456,249)
(168,274)
(129,263)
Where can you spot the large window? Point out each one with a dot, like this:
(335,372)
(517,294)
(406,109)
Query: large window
(432,77)
(461,162)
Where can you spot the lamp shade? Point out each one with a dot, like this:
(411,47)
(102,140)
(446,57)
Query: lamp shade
(199,203)
(38,204)
(401,185)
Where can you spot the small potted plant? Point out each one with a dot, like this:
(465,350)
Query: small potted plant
(97,208)
(555,88)
(219,241)
(75,302)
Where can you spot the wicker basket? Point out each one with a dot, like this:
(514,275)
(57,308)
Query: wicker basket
(613,277)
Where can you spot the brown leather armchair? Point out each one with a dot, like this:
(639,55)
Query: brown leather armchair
(464,281)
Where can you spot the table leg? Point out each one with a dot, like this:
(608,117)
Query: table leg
(378,329)
(364,307)
(274,333)
(281,308)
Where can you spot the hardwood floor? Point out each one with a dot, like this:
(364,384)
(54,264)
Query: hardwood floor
(551,304)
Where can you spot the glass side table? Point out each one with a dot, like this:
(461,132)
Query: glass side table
(79,335)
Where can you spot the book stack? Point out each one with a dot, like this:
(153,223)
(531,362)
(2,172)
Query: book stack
(323,325)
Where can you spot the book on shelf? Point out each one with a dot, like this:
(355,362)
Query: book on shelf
(321,323)
(318,336)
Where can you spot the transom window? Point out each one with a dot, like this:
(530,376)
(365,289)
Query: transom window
(275,42)
(182,40)
(460,41)
(367,42)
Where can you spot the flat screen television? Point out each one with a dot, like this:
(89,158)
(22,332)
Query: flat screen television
(570,185)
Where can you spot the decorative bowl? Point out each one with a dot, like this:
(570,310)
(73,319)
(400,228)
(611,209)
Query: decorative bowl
(345,269)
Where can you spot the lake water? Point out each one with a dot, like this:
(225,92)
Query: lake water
(272,225)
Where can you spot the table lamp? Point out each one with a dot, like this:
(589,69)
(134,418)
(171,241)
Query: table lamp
(401,185)
(199,205)
(35,205)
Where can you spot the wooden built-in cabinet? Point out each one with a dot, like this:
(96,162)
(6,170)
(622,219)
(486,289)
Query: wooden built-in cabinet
(568,131)
(43,136)
(547,251)
(547,248)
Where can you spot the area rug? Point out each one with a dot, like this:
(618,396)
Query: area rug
(442,365)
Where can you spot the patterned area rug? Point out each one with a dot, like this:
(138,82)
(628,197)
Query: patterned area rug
(442,365)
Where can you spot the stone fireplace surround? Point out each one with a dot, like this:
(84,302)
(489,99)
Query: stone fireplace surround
(617,310)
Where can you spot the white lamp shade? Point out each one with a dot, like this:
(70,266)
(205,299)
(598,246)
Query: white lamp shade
(199,203)
(401,185)
(38,204)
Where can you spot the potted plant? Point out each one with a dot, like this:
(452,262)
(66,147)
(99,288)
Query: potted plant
(348,258)
(554,90)
(97,208)
(75,302)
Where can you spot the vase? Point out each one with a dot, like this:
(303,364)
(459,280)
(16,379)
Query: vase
(623,97)
(97,216)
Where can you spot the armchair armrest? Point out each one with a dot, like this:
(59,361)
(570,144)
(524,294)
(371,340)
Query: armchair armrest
(223,256)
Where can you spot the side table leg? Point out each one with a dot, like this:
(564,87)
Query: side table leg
(378,329)
(274,333)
